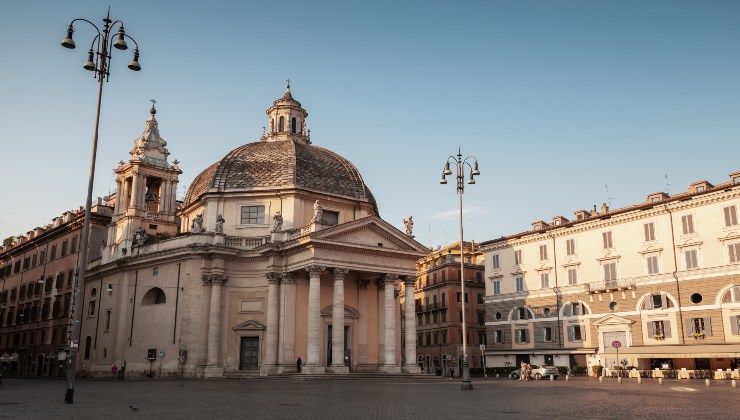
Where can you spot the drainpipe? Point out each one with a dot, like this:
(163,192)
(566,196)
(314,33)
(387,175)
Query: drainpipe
(675,276)
(557,292)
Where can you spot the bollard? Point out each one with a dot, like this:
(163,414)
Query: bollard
(660,381)
(497,376)
(567,377)
(734,383)
(619,380)
(601,379)
(706,382)
(639,380)
(552,378)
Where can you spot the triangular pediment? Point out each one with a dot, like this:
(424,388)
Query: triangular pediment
(370,231)
(252,324)
(612,319)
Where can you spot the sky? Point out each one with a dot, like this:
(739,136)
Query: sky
(565,104)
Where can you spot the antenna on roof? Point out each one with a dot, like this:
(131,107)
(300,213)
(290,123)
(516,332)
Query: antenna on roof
(429,228)
(668,185)
(608,197)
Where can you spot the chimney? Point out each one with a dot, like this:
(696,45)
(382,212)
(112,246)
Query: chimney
(539,225)
(657,197)
(604,208)
(559,221)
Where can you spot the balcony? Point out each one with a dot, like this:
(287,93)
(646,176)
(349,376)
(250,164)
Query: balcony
(610,285)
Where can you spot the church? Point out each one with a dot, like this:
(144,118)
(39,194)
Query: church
(276,262)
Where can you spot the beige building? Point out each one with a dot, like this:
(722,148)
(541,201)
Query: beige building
(37,272)
(662,278)
(277,256)
(438,302)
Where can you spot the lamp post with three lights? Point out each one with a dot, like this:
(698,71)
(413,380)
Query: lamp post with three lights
(460,165)
(98,62)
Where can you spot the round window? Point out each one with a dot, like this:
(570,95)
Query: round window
(546,312)
(696,298)
(613,306)
(498,315)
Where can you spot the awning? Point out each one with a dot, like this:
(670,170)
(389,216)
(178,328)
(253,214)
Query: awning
(703,351)
(540,352)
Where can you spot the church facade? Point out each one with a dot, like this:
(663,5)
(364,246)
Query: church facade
(276,261)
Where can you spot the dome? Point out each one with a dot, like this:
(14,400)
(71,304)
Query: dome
(270,165)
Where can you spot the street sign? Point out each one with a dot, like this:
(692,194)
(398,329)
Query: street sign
(616,344)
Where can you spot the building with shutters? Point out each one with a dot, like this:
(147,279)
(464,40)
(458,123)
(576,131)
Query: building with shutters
(661,277)
(37,275)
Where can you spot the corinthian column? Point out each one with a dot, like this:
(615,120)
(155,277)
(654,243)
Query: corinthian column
(213,355)
(271,343)
(134,203)
(314,319)
(337,323)
(389,339)
(410,327)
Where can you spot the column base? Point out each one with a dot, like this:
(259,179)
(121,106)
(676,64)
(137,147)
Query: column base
(269,370)
(390,369)
(313,370)
(344,370)
(213,371)
(413,369)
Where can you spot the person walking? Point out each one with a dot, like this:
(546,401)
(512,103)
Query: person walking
(522,371)
(298,365)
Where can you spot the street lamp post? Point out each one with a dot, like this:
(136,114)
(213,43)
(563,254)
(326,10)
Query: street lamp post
(98,62)
(460,165)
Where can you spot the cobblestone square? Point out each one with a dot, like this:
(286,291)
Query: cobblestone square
(375,399)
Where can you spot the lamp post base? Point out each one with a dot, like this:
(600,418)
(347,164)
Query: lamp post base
(465,384)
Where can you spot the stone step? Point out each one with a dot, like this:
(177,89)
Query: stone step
(241,374)
(351,376)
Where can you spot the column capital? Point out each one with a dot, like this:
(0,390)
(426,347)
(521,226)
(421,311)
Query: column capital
(206,278)
(315,270)
(362,283)
(273,278)
(287,278)
(218,279)
(390,279)
(340,272)
(410,280)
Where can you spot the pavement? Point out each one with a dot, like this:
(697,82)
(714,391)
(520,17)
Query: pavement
(373,399)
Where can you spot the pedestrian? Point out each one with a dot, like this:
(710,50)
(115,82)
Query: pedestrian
(529,372)
(522,371)
(452,372)
(114,370)
(298,364)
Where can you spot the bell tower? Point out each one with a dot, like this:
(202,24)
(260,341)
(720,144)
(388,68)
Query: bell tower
(286,120)
(146,188)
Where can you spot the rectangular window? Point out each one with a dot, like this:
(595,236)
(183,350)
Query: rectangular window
(481,318)
(479,298)
(443,336)
(73,245)
(27,263)
(329,218)
(519,284)
(570,246)
(659,330)
(53,253)
(691,258)
(697,326)
(481,338)
(543,252)
(42,257)
(91,308)
(734,251)
(607,240)
(459,297)
(444,300)
(498,336)
(657,301)
(575,333)
(252,215)
(64,247)
(518,257)
(459,316)
(652,264)
(34,260)
(495,261)
(610,272)
(547,334)
(497,287)
(649,232)
(687,222)
(731,216)
(572,276)
(444,315)
(522,336)
(521,313)
(545,280)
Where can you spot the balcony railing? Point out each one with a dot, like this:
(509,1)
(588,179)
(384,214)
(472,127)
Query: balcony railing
(610,285)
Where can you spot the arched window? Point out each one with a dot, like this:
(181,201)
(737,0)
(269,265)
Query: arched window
(575,309)
(732,295)
(60,281)
(293,125)
(88,346)
(521,313)
(93,292)
(281,124)
(155,296)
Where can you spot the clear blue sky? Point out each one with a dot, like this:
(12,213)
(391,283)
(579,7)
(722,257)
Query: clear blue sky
(556,98)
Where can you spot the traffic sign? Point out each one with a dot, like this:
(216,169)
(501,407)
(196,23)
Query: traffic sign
(616,344)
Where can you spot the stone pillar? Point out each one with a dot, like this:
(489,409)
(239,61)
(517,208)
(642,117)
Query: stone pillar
(164,187)
(410,327)
(337,323)
(286,349)
(119,192)
(389,339)
(362,327)
(380,301)
(269,366)
(214,368)
(314,320)
(134,203)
